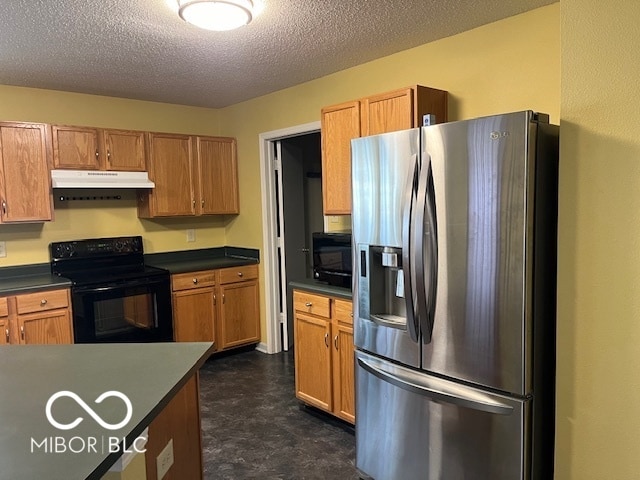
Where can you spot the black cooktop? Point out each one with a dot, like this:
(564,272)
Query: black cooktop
(101,261)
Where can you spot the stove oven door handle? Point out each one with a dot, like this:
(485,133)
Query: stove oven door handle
(119,286)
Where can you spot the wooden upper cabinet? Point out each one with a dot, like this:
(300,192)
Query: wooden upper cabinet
(193,176)
(87,148)
(339,124)
(75,148)
(25,186)
(171,168)
(124,150)
(387,112)
(217,175)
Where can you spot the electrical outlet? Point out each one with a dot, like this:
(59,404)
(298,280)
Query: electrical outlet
(165,460)
(3,249)
(191,235)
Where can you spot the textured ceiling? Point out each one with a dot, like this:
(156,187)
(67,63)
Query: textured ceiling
(141,49)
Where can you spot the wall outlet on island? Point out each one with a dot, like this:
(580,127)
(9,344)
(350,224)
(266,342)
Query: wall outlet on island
(3,249)
(191,235)
(164,460)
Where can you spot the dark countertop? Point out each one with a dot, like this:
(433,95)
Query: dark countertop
(322,288)
(27,278)
(203,259)
(32,278)
(148,374)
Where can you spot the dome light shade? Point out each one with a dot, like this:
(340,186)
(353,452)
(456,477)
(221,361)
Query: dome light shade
(217,15)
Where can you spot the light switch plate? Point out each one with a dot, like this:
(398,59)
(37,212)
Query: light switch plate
(191,235)
(3,249)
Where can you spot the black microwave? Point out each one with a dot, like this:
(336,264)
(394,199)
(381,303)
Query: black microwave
(332,258)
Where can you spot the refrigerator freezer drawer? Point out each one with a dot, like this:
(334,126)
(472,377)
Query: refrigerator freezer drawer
(414,425)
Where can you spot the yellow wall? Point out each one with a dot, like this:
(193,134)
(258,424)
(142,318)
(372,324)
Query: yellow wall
(75,220)
(598,400)
(483,70)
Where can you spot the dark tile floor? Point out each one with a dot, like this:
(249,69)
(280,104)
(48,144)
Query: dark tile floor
(254,427)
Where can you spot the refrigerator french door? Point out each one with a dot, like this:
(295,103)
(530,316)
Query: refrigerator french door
(454,228)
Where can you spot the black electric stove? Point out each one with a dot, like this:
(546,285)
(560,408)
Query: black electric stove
(115,296)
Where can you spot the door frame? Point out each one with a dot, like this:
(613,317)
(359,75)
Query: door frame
(269,226)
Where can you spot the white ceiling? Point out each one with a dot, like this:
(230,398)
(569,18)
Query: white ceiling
(141,49)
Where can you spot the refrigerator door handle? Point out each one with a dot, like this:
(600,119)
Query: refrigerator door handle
(436,389)
(407,267)
(425,280)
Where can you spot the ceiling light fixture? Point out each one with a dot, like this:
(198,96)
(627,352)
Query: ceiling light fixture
(217,15)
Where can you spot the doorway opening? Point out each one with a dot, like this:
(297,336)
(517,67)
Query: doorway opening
(290,162)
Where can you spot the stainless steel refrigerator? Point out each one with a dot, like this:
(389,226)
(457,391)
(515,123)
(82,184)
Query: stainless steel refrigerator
(454,231)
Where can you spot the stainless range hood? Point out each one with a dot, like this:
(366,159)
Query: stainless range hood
(99,179)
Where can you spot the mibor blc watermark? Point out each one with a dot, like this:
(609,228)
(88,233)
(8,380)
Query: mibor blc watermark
(87,444)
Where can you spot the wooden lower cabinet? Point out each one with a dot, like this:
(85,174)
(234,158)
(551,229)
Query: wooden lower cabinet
(220,306)
(47,328)
(42,318)
(324,353)
(179,421)
(194,306)
(313,360)
(239,314)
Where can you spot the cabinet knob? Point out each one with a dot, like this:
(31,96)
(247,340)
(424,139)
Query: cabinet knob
(108,154)
(308,304)
(240,274)
(195,280)
(22,331)
(43,302)
(214,299)
(202,203)
(6,334)
(4,207)
(326,340)
(97,154)
(335,341)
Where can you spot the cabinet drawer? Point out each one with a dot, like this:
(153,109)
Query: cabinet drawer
(184,281)
(4,308)
(237,274)
(310,303)
(343,311)
(38,302)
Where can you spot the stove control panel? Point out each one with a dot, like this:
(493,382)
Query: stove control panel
(97,247)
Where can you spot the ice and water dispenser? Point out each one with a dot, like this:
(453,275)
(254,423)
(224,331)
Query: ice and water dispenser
(381,295)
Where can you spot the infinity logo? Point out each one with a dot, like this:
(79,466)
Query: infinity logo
(89,410)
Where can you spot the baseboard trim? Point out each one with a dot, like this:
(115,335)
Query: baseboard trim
(262,347)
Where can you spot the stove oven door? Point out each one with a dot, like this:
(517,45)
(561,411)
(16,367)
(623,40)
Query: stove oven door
(129,311)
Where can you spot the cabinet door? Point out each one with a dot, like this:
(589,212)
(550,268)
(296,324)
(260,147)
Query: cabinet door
(75,148)
(339,125)
(25,185)
(217,175)
(194,315)
(239,314)
(124,150)
(51,327)
(4,322)
(170,167)
(4,331)
(344,405)
(387,112)
(312,356)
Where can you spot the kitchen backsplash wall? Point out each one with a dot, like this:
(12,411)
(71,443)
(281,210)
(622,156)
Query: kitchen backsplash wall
(73,220)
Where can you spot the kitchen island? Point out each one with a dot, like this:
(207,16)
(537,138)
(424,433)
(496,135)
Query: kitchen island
(70,411)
